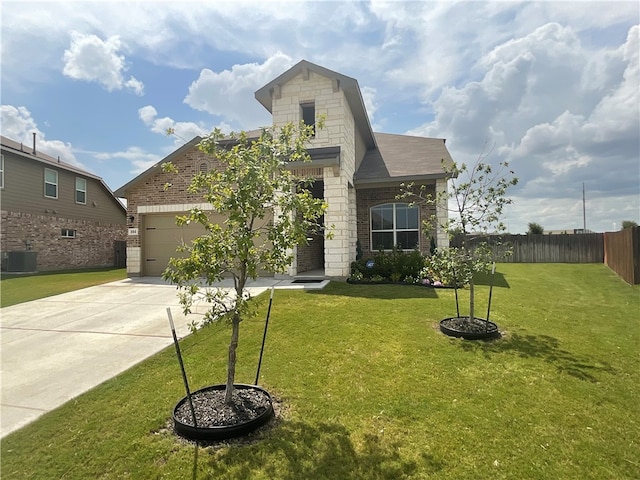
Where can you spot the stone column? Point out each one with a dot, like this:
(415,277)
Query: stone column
(336,249)
(442,213)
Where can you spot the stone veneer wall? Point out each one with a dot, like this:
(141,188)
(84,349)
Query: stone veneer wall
(442,213)
(93,246)
(371,197)
(339,130)
(353,220)
(337,250)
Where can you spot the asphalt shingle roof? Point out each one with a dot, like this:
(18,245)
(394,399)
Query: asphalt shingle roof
(403,158)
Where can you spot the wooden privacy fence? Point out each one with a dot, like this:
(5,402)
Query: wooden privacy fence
(622,253)
(620,250)
(563,248)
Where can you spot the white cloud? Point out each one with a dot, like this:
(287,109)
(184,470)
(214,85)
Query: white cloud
(544,138)
(370,104)
(91,59)
(572,160)
(140,159)
(562,114)
(538,104)
(18,125)
(147,114)
(616,117)
(136,85)
(182,131)
(229,94)
(554,85)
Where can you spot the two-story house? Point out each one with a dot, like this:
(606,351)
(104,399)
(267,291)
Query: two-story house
(358,172)
(55,215)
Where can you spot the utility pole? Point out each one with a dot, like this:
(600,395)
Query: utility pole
(584,212)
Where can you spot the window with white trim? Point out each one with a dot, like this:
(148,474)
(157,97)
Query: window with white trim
(395,225)
(50,183)
(1,171)
(68,233)
(81,190)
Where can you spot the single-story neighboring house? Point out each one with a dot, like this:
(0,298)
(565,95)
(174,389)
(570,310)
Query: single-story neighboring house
(358,172)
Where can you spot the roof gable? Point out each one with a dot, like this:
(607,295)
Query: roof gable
(348,85)
(154,169)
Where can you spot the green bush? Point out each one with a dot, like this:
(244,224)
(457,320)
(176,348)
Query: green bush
(393,266)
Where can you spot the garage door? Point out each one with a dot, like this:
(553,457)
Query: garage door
(161,237)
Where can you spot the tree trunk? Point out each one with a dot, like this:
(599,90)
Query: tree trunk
(471,300)
(239,281)
(231,364)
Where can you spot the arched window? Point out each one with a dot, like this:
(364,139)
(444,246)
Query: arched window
(204,167)
(395,225)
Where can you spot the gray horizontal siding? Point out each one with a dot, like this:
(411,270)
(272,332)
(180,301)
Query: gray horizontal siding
(24,192)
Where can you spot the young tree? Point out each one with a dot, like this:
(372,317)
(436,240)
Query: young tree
(535,229)
(268,211)
(475,202)
(628,224)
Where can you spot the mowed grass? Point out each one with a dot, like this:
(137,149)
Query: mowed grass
(370,389)
(16,288)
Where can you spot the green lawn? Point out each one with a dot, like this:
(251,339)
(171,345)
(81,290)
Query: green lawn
(370,389)
(24,288)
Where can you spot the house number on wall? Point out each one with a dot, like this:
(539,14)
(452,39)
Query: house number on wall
(133,231)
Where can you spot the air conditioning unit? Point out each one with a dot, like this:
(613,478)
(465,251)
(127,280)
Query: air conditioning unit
(22,261)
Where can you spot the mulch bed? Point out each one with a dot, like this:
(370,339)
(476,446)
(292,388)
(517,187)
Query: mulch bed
(280,409)
(467,325)
(211,411)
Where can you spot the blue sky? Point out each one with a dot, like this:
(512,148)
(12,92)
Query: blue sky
(551,87)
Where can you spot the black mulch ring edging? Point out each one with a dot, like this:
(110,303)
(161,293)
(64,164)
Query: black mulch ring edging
(215,420)
(389,282)
(469,329)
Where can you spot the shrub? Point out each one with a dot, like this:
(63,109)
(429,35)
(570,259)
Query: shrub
(393,266)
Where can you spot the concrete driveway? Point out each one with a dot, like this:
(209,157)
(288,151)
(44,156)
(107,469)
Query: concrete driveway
(58,347)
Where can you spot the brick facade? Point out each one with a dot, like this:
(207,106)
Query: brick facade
(152,190)
(93,245)
(311,256)
(370,197)
(151,196)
